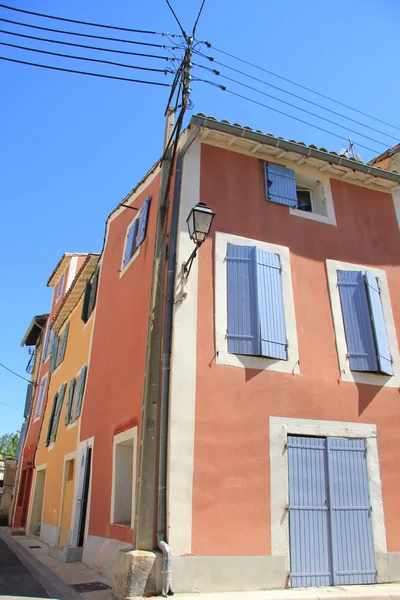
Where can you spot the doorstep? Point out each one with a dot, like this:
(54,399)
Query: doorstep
(383,591)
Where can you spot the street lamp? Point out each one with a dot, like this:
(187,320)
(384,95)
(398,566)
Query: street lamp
(199,224)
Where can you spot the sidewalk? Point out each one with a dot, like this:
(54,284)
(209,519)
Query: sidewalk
(65,581)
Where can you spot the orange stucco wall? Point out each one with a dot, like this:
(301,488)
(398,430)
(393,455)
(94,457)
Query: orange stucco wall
(76,356)
(231,489)
(117,361)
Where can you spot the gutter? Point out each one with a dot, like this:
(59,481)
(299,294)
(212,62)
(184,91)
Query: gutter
(165,373)
(269,140)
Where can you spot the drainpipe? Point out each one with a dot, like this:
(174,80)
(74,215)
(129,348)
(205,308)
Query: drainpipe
(165,374)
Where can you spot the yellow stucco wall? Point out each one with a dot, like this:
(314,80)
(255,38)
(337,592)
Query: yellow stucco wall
(54,456)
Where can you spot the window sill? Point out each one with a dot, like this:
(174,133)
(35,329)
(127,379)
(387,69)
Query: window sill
(128,264)
(328,220)
(260,363)
(50,446)
(72,425)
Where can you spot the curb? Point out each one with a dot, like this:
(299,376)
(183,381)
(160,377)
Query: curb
(54,586)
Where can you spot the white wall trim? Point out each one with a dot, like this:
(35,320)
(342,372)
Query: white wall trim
(73,263)
(128,434)
(221,312)
(279,428)
(332,266)
(183,372)
(78,488)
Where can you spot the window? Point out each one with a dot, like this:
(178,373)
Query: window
(124,477)
(254,315)
(89,299)
(39,402)
(48,343)
(136,233)
(75,396)
(55,415)
(365,333)
(60,286)
(306,191)
(58,348)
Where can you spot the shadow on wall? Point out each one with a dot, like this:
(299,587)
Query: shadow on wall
(366,394)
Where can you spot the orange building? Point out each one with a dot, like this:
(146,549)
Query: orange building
(53,507)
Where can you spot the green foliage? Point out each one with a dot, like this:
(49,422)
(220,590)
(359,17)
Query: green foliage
(8,445)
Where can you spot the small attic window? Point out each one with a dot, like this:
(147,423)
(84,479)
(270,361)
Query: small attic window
(60,286)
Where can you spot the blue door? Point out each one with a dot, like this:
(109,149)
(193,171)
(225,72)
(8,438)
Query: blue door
(330,532)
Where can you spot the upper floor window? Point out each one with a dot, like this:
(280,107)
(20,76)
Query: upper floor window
(89,299)
(306,193)
(254,315)
(365,333)
(55,415)
(60,286)
(136,233)
(58,348)
(75,396)
(39,402)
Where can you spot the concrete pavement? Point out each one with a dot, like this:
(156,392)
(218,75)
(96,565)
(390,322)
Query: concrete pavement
(15,578)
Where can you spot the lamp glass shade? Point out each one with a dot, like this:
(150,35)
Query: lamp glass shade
(199,222)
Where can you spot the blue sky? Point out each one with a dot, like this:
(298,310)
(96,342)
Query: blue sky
(71,146)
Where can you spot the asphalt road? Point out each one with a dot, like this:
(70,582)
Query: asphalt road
(15,579)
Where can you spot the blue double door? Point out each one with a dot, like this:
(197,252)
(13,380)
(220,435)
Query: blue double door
(330,529)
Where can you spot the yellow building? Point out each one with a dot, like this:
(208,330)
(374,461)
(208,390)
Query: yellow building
(53,501)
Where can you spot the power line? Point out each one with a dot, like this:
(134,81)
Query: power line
(33,37)
(29,12)
(23,62)
(198,17)
(301,86)
(89,35)
(210,58)
(297,107)
(176,19)
(283,113)
(95,60)
(14,373)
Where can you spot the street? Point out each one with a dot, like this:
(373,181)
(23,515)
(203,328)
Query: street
(15,579)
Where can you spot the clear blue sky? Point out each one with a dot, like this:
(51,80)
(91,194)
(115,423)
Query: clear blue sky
(73,146)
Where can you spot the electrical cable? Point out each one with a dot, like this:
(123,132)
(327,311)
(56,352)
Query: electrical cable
(223,88)
(89,35)
(14,373)
(29,12)
(299,108)
(177,20)
(210,58)
(300,85)
(23,62)
(11,406)
(198,17)
(95,60)
(33,37)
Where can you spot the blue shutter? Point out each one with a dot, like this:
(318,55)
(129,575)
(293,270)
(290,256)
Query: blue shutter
(378,322)
(129,243)
(310,563)
(57,412)
(81,388)
(280,185)
(270,305)
(54,351)
(63,345)
(357,321)
(353,557)
(69,402)
(50,426)
(144,213)
(243,323)
(28,400)
(46,344)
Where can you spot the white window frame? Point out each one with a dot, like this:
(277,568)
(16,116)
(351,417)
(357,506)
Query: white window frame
(279,429)
(39,401)
(137,251)
(291,365)
(129,434)
(310,178)
(332,267)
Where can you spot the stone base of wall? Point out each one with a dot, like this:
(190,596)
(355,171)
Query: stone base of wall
(101,553)
(394,566)
(228,573)
(49,534)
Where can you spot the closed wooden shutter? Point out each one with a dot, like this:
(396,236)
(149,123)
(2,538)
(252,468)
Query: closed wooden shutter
(81,388)
(63,345)
(54,351)
(57,412)
(86,299)
(378,323)
(69,402)
(144,215)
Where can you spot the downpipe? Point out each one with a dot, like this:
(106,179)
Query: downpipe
(165,373)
